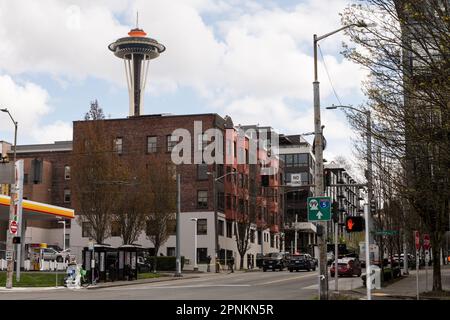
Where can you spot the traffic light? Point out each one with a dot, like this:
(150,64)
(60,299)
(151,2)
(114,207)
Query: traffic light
(327,177)
(16,240)
(319,231)
(354,224)
(335,211)
(373,207)
(265,180)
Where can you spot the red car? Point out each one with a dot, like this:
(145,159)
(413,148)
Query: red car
(347,267)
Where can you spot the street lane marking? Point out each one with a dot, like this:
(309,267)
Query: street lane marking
(182,287)
(289,279)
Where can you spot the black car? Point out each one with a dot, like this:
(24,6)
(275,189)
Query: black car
(274,261)
(301,262)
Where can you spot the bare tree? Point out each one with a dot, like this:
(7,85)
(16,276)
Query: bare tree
(161,191)
(134,201)
(95,171)
(407,55)
(95,112)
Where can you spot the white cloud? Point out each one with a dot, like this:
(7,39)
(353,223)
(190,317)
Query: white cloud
(246,58)
(28,104)
(57,131)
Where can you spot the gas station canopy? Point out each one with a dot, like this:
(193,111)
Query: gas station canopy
(32,210)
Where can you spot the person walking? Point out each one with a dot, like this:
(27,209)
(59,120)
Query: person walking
(231,264)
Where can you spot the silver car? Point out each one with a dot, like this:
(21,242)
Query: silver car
(53,255)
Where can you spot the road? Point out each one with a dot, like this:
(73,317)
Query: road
(237,286)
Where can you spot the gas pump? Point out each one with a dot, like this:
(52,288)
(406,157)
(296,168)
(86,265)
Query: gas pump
(36,251)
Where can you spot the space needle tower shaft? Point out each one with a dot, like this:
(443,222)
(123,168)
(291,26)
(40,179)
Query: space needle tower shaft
(136,50)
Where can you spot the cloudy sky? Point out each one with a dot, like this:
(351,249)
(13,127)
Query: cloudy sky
(251,60)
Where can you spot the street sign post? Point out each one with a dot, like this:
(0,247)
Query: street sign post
(417,242)
(386,232)
(426,247)
(319,209)
(13,227)
(426,242)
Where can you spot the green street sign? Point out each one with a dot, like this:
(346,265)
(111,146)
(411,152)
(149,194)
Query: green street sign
(319,209)
(386,232)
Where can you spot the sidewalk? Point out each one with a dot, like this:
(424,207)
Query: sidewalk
(164,277)
(405,288)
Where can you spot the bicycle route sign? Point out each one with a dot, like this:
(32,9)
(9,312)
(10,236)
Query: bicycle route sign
(319,209)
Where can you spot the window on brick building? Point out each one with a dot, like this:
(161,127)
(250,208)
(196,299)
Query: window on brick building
(152,144)
(67,172)
(202,171)
(202,199)
(202,226)
(115,229)
(252,236)
(241,206)
(220,226)
(172,141)
(220,200)
(259,236)
(86,229)
(118,145)
(67,197)
(228,201)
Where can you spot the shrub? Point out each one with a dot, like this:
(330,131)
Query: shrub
(165,263)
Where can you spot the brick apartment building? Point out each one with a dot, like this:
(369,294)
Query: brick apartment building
(139,138)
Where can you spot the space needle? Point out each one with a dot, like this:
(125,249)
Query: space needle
(136,50)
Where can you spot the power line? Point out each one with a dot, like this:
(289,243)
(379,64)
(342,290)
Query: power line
(329,78)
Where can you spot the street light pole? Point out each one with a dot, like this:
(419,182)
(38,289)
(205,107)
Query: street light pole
(216,216)
(178,249)
(64,233)
(369,176)
(9,235)
(195,244)
(318,154)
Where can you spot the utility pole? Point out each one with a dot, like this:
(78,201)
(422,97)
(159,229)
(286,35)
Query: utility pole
(369,171)
(318,174)
(216,221)
(14,216)
(178,249)
(368,275)
(336,257)
(296,235)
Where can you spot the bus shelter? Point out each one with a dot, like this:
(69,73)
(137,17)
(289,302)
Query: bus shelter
(104,262)
(128,257)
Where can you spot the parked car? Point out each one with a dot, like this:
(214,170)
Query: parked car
(273,261)
(347,267)
(53,255)
(301,262)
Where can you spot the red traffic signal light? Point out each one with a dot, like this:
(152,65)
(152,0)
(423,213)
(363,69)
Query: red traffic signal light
(354,224)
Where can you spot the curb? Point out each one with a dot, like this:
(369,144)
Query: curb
(130,283)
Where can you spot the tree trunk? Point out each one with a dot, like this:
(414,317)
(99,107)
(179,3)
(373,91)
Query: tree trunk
(436,247)
(155,258)
(241,265)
